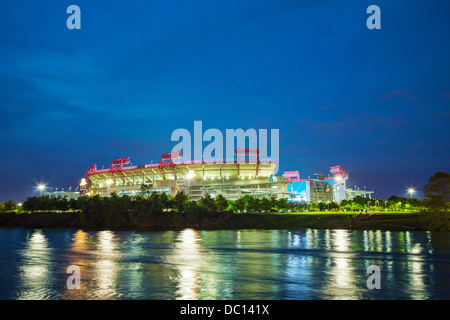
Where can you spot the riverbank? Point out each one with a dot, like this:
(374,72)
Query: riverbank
(403,221)
(228,221)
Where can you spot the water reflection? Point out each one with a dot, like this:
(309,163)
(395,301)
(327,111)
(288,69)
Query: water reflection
(35,271)
(388,241)
(416,281)
(244,264)
(188,258)
(298,276)
(135,271)
(341,271)
(78,257)
(106,266)
(343,265)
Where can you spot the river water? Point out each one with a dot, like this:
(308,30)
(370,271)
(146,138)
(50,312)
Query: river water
(223,265)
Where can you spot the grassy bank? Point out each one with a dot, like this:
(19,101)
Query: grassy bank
(404,221)
(299,220)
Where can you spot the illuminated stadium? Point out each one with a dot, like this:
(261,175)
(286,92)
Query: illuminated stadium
(246,176)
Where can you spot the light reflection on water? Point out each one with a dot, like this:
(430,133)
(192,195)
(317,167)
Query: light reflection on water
(35,274)
(243,264)
(106,265)
(187,257)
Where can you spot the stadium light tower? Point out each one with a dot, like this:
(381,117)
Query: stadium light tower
(41,187)
(411,191)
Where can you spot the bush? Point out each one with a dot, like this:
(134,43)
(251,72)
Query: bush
(435,221)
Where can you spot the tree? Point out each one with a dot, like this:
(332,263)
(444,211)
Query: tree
(31,204)
(322,206)
(437,190)
(146,190)
(360,200)
(282,203)
(240,204)
(273,200)
(62,204)
(231,205)
(395,200)
(207,204)
(74,204)
(156,203)
(9,205)
(266,204)
(166,200)
(181,202)
(334,205)
(221,203)
(253,203)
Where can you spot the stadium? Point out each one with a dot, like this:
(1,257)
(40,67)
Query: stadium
(248,175)
(233,180)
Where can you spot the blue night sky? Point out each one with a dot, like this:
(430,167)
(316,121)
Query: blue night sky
(376,102)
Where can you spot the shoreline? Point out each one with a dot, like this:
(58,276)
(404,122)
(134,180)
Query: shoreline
(262,221)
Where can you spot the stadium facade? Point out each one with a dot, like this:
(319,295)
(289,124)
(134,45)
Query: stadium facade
(246,176)
(196,178)
(323,189)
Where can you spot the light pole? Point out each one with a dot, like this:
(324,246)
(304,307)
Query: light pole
(41,187)
(411,191)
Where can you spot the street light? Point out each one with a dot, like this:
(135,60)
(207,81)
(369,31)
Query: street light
(411,191)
